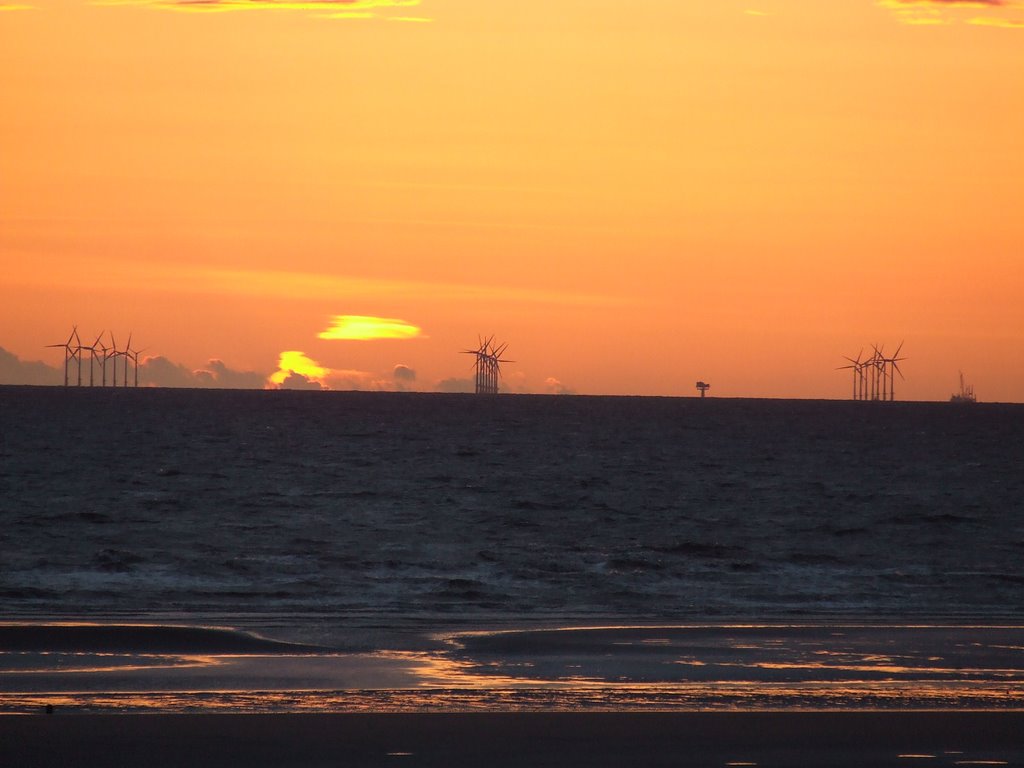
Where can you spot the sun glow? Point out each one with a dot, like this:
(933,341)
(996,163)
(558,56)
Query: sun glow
(366,327)
(295,363)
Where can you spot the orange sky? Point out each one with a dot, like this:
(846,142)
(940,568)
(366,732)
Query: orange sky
(633,195)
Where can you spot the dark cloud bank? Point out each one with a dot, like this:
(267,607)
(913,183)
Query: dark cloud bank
(155,371)
(159,371)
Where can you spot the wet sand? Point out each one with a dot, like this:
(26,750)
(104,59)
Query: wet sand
(85,669)
(766,739)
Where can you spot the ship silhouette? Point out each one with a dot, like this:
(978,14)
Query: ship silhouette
(966,393)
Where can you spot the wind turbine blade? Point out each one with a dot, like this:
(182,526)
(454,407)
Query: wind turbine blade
(897,354)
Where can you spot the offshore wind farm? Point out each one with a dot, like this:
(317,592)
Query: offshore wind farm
(873,377)
(100,355)
(704,491)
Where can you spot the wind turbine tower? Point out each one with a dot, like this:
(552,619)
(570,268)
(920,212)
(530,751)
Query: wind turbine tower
(101,354)
(891,364)
(71,353)
(127,359)
(487,366)
(875,377)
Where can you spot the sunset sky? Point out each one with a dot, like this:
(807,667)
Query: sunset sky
(633,196)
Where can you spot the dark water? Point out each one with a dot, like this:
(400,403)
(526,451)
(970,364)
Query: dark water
(407,510)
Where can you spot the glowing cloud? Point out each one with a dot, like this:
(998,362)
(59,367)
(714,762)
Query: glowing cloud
(293,363)
(555,387)
(366,328)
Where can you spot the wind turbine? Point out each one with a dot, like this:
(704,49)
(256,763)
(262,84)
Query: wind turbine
(104,356)
(496,360)
(92,359)
(858,373)
(487,366)
(69,354)
(894,368)
(127,357)
(112,354)
(878,373)
(478,363)
(135,362)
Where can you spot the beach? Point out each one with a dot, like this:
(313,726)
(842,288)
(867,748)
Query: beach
(294,578)
(767,740)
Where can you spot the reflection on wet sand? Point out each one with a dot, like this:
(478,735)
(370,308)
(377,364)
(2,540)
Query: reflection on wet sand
(679,668)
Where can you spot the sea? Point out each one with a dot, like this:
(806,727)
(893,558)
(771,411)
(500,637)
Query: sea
(187,550)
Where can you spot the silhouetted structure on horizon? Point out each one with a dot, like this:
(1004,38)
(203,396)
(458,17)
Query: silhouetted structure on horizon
(875,377)
(101,354)
(703,388)
(71,353)
(487,367)
(966,393)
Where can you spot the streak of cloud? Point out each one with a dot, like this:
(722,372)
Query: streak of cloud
(367,327)
(306,286)
(990,21)
(944,3)
(333,9)
(944,12)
